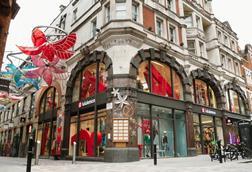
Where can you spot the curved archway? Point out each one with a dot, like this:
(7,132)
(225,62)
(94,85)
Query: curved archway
(97,59)
(210,80)
(48,106)
(161,76)
(96,56)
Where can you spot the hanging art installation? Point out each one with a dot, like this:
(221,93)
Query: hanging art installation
(48,53)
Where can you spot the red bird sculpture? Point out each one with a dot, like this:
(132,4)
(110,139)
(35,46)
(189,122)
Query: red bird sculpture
(49,50)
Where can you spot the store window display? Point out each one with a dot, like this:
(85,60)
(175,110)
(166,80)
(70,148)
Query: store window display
(163,79)
(86,134)
(203,94)
(197,133)
(84,85)
(235,103)
(207,130)
(163,126)
(47,126)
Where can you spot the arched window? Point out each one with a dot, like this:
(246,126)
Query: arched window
(85,82)
(234,102)
(47,120)
(160,79)
(203,93)
(49,100)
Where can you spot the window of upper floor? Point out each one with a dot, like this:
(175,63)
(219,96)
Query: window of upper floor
(135,11)
(237,68)
(223,61)
(226,40)
(202,49)
(191,46)
(198,22)
(219,35)
(107,13)
(189,21)
(229,64)
(94,27)
(233,46)
(160,27)
(121,9)
(173,33)
(171,5)
(75,11)
(62,23)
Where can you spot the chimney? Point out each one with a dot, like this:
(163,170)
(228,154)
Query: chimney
(62,7)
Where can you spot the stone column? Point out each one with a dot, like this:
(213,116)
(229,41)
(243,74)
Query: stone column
(123,97)
(191,150)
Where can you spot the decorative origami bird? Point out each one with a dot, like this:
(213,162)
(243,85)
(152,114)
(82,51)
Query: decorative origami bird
(49,50)
(47,71)
(16,75)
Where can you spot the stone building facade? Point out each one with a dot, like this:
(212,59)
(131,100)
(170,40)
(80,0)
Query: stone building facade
(143,73)
(8,11)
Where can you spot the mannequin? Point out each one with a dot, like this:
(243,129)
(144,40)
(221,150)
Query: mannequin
(165,142)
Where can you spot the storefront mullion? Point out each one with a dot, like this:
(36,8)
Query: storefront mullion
(229,100)
(172,85)
(51,121)
(239,104)
(174,133)
(95,106)
(43,143)
(151,133)
(201,134)
(78,119)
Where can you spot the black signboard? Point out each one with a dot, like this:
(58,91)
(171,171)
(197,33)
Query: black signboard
(4,85)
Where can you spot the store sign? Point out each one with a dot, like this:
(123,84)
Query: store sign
(244,123)
(4,85)
(86,102)
(208,111)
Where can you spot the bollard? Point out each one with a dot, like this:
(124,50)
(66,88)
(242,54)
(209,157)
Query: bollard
(74,152)
(37,152)
(29,156)
(155,154)
(219,151)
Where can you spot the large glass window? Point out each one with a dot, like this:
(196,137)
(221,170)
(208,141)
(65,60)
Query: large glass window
(86,134)
(219,130)
(84,86)
(197,133)
(121,10)
(203,94)
(164,81)
(143,130)
(207,130)
(180,133)
(161,122)
(234,102)
(163,134)
(47,122)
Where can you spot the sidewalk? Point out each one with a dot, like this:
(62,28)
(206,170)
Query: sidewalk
(189,164)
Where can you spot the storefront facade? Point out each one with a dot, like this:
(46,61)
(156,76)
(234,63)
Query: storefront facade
(156,103)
